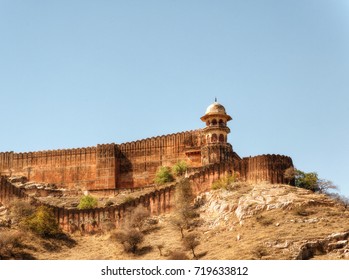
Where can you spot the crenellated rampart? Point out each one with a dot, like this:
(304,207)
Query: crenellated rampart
(9,191)
(134,164)
(269,168)
(157,202)
(139,160)
(107,166)
(90,168)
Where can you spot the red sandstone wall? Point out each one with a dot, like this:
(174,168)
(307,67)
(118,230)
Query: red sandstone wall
(158,202)
(106,166)
(268,168)
(130,165)
(91,168)
(139,160)
(5,162)
(9,192)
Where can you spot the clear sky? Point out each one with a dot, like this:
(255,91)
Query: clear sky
(78,73)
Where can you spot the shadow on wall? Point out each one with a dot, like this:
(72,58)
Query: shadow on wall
(124,173)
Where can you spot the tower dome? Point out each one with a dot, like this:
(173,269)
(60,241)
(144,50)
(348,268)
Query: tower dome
(215,108)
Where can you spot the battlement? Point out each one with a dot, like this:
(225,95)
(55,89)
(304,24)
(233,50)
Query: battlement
(269,168)
(134,164)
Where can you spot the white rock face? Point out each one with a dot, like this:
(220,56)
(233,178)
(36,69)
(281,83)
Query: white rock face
(221,205)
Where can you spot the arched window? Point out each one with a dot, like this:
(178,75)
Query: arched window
(214,122)
(221,122)
(221,138)
(214,138)
(208,123)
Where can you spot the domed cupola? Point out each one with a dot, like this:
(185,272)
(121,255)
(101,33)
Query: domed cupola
(216,108)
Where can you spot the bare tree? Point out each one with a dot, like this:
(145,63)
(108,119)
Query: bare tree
(190,242)
(138,217)
(178,222)
(130,239)
(290,174)
(326,186)
(185,211)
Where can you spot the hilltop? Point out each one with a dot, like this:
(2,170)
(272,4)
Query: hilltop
(244,221)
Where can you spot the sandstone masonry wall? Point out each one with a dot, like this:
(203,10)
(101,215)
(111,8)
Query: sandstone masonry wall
(158,201)
(91,168)
(261,168)
(133,164)
(139,160)
(108,166)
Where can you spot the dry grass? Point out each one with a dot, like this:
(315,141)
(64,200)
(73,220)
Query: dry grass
(271,234)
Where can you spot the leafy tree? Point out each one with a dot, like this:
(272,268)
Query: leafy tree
(180,168)
(87,202)
(309,181)
(43,222)
(163,175)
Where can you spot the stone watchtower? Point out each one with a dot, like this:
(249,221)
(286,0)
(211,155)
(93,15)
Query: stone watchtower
(215,147)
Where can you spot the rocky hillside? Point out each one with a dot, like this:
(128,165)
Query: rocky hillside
(276,222)
(241,222)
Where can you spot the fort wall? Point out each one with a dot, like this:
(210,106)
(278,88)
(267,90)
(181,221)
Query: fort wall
(8,191)
(90,168)
(134,164)
(269,168)
(157,202)
(139,160)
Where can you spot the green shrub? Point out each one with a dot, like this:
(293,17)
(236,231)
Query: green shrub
(223,183)
(307,181)
(180,168)
(87,202)
(43,222)
(163,175)
(128,199)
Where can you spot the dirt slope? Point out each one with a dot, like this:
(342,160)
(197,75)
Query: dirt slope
(245,222)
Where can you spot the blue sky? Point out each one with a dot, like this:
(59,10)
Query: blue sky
(78,73)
